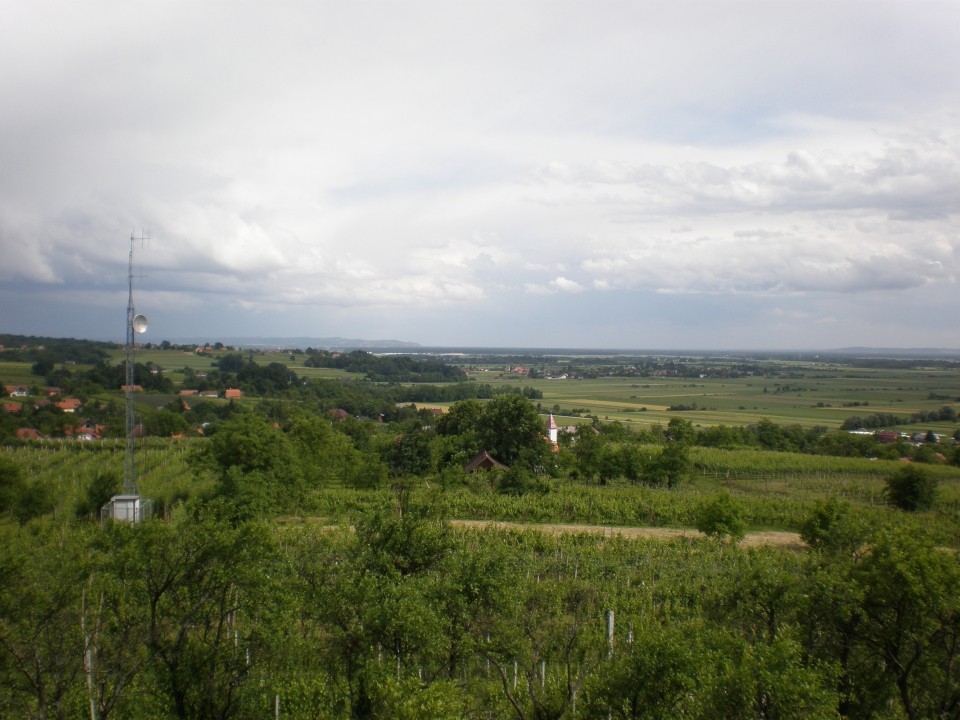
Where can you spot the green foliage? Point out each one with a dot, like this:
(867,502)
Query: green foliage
(512,431)
(102,486)
(722,518)
(660,674)
(833,527)
(11,483)
(670,467)
(23,498)
(411,452)
(409,617)
(911,488)
(255,465)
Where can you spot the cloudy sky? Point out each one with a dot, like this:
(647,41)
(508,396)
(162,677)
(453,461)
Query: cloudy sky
(576,173)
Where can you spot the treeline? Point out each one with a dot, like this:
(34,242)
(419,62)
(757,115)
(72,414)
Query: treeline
(768,435)
(386,368)
(887,420)
(48,351)
(407,617)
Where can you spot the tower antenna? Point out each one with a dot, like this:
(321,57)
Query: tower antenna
(129,506)
(135,324)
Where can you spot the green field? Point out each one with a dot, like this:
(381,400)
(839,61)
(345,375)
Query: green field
(816,396)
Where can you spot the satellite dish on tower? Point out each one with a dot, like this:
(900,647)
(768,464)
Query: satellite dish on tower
(140,324)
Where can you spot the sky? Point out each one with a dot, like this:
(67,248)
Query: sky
(574,173)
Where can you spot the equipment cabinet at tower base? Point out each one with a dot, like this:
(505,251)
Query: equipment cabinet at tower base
(127,508)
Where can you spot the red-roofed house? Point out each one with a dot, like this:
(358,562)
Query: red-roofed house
(69,405)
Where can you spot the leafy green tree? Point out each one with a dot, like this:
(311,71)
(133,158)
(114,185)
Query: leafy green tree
(514,481)
(165,423)
(548,636)
(911,488)
(12,484)
(833,527)
(670,467)
(722,518)
(512,431)
(41,646)
(767,680)
(588,450)
(101,487)
(657,676)
(680,430)
(214,611)
(327,457)
(911,622)
(459,431)
(411,453)
(255,466)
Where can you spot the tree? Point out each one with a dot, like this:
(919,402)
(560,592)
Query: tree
(326,457)
(256,468)
(722,518)
(670,467)
(213,605)
(512,431)
(102,486)
(11,484)
(411,453)
(911,488)
(832,527)
(911,622)
(41,647)
(657,676)
(680,430)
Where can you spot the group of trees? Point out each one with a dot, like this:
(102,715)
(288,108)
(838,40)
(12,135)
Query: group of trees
(885,420)
(768,435)
(387,368)
(404,616)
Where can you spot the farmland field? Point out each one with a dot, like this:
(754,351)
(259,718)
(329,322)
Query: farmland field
(812,396)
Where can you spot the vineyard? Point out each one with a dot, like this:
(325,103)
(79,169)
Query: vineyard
(776,490)
(405,616)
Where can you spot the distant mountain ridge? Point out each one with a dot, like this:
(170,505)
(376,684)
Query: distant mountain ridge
(333,343)
(899,352)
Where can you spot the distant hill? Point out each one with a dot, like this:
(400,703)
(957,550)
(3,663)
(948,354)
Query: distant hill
(899,352)
(334,343)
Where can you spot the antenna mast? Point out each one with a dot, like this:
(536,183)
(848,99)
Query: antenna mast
(135,323)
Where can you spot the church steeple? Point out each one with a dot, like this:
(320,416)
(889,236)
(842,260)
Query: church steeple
(552,430)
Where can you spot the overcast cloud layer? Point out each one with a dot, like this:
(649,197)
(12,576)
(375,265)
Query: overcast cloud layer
(580,174)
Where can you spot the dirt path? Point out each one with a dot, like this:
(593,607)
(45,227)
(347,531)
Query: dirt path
(780,539)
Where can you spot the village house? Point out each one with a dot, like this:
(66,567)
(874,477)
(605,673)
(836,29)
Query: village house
(484,461)
(69,405)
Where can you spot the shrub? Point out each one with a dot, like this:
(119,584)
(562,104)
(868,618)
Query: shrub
(722,518)
(910,488)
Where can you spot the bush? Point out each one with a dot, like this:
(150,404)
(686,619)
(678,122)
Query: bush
(722,518)
(833,527)
(910,488)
